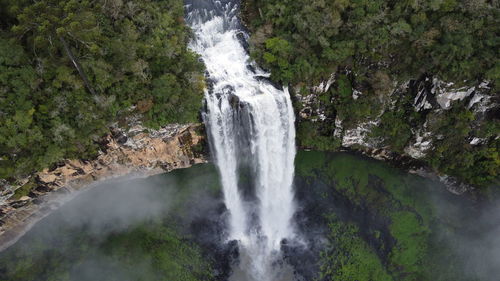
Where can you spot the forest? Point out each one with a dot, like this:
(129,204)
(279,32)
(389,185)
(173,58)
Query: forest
(352,140)
(373,45)
(70,69)
(302,40)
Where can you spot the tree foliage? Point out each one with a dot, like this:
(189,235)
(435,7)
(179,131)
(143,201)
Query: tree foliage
(453,39)
(70,67)
(373,45)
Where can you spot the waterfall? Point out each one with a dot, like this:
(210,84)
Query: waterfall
(250,124)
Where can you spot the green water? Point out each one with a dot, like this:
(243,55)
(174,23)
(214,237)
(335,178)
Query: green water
(119,231)
(376,223)
(385,224)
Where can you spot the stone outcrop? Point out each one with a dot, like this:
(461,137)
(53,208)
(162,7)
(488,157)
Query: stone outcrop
(429,97)
(136,152)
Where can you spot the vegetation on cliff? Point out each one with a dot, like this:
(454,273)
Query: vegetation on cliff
(70,68)
(371,46)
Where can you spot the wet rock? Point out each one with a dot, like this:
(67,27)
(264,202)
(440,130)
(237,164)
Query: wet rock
(234,101)
(43,188)
(251,68)
(268,80)
(122,139)
(242,38)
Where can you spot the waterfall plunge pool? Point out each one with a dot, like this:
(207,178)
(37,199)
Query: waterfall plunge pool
(359,219)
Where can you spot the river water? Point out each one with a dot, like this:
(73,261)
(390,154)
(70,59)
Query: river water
(357,218)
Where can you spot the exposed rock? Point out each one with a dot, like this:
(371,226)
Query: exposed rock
(445,99)
(422,99)
(356,94)
(418,148)
(137,152)
(480,102)
(47,177)
(476,141)
(429,96)
(358,135)
(307,102)
(6,191)
(338,128)
(324,86)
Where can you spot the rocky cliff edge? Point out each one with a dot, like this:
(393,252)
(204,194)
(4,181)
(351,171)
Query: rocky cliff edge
(134,152)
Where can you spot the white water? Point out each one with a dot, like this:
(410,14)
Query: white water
(251,125)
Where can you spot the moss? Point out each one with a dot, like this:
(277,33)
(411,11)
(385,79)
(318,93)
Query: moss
(394,202)
(306,163)
(348,257)
(410,251)
(171,257)
(24,190)
(145,252)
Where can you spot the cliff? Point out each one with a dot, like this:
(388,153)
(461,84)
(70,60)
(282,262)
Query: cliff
(430,127)
(134,152)
(372,76)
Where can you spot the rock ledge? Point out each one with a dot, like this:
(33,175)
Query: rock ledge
(136,152)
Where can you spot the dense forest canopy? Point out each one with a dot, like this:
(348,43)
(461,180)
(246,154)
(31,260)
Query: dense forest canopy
(71,68)
(68,68)
(373,46)
(302,40)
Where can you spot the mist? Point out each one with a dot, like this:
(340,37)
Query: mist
(115,206)
(97,233)
(115,218)
(472,231)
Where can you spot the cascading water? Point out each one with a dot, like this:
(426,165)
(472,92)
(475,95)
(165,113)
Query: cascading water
(251,128)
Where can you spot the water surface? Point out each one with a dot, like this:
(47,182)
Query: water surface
(360,219)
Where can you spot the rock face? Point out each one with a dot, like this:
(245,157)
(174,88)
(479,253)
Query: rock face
(136,152)
(427,97)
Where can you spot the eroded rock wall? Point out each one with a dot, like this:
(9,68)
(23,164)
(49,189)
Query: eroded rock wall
(350,117)
(135,152)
